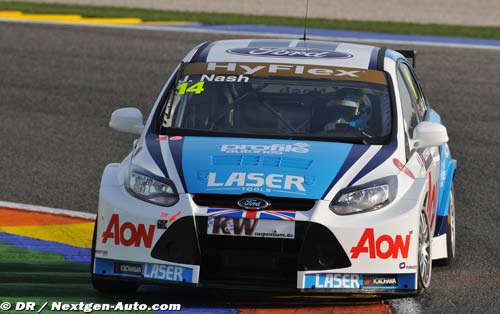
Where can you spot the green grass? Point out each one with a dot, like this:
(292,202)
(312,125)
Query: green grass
(217,18)
(31,276)
(8,252)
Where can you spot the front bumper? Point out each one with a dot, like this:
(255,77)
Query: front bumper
(375,252)
(107,267)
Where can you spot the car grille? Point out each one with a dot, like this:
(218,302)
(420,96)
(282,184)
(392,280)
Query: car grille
(230,201)
(248,261)
(252,262)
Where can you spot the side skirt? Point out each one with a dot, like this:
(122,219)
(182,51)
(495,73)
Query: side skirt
(439,249)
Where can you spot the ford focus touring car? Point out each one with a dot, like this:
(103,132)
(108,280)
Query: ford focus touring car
(280,165)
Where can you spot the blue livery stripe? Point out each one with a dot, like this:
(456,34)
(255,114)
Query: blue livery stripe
(356,152)
(407,281)
(447,168)
(433,116)
(203,54)
(441,225)
(374,59)
(382,155)
(154,148)
(176,151)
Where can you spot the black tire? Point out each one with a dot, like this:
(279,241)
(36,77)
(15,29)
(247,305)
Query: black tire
(424,254)
(108,286)
(450,234)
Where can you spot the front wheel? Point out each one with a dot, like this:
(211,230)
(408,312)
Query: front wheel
(424,254)
(106,286)
(450,234)
(450,231)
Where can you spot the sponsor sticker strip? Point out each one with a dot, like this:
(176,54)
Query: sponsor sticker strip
(166,272)
(128,233)
(245,227)
(284,70)
(264,214)
(383,247)
(358,281)
(273,149)
(256,182)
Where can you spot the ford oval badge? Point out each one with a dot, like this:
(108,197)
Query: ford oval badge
(285,52)
(253,203)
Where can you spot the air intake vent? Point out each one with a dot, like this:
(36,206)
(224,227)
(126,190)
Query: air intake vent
(235,160)
(286,162)
(266,161)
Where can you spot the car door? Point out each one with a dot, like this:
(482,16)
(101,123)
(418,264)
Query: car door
(415,109)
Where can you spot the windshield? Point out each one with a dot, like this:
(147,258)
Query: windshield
(352,107)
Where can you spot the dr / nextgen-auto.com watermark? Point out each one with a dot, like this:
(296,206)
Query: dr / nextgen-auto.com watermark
(12,307)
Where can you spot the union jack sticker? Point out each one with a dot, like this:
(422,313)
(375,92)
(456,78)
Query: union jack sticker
(264,214)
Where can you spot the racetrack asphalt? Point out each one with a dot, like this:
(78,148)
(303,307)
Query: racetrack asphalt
(59,85)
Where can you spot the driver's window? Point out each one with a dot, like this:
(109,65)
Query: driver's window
(414,89)
(409,112)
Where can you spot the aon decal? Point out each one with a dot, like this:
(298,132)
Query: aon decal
(128,234)
(257,180)
(383,247)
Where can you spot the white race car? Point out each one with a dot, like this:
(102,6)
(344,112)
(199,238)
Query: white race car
(280,165)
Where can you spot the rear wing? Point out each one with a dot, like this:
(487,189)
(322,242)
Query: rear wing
(409,54)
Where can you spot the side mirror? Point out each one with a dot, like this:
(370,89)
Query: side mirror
(428,134)
(128,120)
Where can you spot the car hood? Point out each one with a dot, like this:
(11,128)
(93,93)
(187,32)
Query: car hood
(272,167)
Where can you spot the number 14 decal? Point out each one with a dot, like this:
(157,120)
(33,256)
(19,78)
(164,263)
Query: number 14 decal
(196,88)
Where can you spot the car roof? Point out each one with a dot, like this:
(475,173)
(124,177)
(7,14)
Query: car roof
(296,51)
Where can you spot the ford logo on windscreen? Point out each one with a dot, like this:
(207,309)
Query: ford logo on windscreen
(289,52)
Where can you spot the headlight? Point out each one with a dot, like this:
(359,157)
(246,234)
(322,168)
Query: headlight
(152,189)
(367,197)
